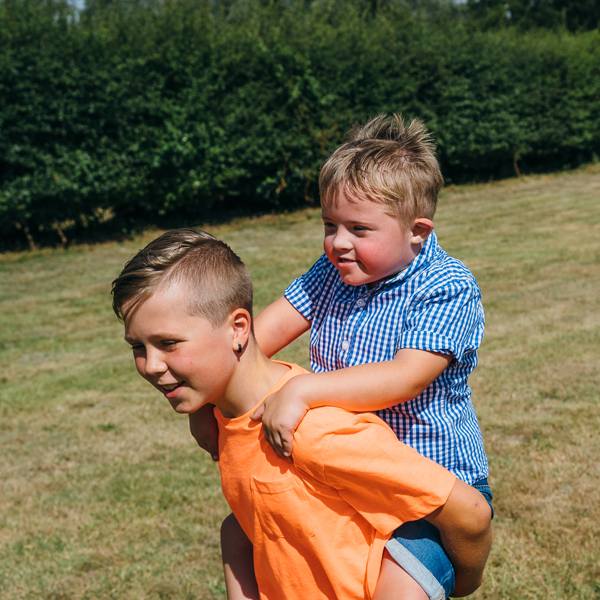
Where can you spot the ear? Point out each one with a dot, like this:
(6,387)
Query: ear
(241,328)
(420,230)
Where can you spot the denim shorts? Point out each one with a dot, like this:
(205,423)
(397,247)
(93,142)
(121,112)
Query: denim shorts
(417,547)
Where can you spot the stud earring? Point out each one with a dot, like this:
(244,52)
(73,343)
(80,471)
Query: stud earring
(239,349)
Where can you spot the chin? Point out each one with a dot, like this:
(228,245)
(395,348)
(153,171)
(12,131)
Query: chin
(181,408)
(186,408)
(353,281)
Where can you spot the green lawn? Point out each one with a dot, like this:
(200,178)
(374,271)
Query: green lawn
(103,493)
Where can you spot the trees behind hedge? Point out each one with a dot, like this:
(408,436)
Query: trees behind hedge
(176,111)
(573,15)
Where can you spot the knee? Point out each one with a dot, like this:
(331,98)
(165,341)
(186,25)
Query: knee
(482,521)
(477,529)
(476,523)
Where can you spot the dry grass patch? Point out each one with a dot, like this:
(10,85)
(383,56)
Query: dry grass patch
(103,494)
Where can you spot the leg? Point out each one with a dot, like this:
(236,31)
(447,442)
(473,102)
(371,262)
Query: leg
(464,523)
(416,547)
(238,561)
(395,583)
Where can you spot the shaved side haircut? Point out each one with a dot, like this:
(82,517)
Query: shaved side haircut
(217,280)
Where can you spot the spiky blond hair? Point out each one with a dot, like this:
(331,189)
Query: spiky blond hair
(387,162)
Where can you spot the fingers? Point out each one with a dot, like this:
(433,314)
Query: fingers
(276,440)
(258,413)
(280,417)
(214,454)
(212,440)
(212,444)
(286,444)
(281,444)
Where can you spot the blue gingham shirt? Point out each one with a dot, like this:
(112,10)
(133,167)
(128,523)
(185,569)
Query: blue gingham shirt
(433,305)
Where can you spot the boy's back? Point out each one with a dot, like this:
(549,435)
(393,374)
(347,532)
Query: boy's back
(319,525)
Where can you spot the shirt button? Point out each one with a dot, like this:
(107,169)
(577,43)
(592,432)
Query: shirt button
(360,302)
(345,345)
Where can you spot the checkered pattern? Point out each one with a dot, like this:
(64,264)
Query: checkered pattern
(433,305)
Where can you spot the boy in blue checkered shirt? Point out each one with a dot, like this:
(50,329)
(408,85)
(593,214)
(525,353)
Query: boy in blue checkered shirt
(395,326)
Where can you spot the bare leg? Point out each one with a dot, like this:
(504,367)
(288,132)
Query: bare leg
(238,561)
(395,583)
(465,526)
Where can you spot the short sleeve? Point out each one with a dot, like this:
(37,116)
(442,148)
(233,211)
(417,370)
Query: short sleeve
(358,455)
(448,319)
(304,292)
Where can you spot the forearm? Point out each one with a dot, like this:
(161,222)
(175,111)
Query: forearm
(278,325)
(360,388)
(373,386)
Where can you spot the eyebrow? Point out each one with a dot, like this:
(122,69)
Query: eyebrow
(161,334)
(363,222)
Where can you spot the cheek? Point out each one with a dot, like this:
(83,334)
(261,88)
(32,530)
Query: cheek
(140,365)
(369,251)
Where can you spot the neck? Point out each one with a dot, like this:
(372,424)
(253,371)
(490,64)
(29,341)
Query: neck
(252,377)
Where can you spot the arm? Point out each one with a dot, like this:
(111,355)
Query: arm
(204,429)
(278,325)
(361,388)
(465,526)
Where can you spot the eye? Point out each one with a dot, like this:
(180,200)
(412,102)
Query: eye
(328,225)
(137,347)
(169,343)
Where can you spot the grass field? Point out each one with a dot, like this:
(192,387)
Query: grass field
(103,493)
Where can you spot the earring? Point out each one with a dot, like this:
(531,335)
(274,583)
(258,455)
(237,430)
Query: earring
(239,349)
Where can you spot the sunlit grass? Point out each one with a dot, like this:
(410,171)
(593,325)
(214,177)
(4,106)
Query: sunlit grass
(103,493)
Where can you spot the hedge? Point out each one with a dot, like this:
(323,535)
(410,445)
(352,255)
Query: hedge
(181,110)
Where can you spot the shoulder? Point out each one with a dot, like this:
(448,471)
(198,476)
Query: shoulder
(444,278)
(322,267)
(322,273)
(321,426)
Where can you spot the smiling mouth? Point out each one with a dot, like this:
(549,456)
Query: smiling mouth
(342,262)
(172,386)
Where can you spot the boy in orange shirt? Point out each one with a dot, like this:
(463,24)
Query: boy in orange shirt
(319,524)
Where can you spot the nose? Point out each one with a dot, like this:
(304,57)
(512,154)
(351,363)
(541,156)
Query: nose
(341,240)
(155,364)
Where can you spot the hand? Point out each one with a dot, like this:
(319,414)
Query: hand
(203,426)
(281,414)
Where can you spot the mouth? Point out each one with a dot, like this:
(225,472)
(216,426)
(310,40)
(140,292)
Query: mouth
(345,261)
(171,387)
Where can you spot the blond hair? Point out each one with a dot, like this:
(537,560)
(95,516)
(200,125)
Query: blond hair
(386,162)
(217,280)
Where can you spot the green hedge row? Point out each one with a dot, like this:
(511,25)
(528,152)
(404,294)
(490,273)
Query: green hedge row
(180,110)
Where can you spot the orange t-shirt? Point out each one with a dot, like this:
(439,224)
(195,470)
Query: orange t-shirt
(319,525)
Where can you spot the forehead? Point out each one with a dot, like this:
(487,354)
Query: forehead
(164,310)
(350,206)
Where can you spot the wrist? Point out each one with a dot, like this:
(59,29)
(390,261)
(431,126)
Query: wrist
(302,390)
